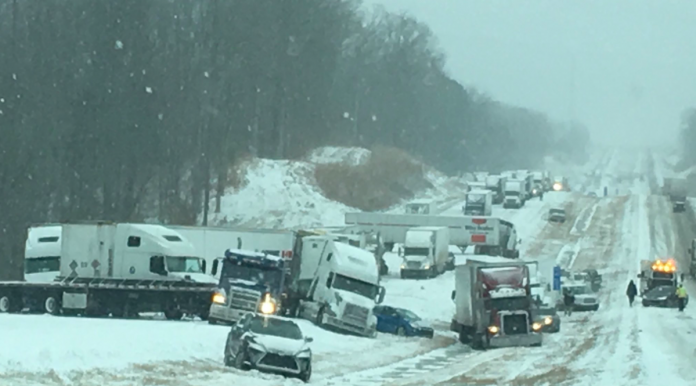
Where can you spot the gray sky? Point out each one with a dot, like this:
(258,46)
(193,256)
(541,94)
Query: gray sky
(634,60)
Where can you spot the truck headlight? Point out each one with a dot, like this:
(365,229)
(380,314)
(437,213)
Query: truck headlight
(536,326)
(268,305)
(493,329)
(219,298)
(427,266)
(548,320)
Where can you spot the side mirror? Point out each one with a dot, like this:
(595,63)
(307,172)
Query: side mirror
(401,251)
(454,294)
(308,339)
(380,296)
(203,265)
(519,241)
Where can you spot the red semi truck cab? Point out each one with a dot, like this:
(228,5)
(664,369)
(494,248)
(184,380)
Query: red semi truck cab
(493,303)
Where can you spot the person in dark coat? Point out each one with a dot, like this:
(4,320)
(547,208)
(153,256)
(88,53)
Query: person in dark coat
(568,302)
(631,292)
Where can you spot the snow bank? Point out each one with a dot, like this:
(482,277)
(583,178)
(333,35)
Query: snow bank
(284,193)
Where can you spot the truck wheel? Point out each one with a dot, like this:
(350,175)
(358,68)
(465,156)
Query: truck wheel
(464,337)
(173,314)
(52,305)
(10,304)
(320,318)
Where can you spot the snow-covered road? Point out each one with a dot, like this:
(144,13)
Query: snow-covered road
(614,346)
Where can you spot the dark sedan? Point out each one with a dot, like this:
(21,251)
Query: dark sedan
(548,318)
(662,296)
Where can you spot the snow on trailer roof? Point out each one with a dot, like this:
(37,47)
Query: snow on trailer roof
(479,191)
(356,260)
(463,259)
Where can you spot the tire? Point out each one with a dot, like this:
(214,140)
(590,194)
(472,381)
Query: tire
(307,374)
(401,331)
(464,337)
(52,305)
(173,314)
(320,318)
(10,304)
(228,359)
(239,360)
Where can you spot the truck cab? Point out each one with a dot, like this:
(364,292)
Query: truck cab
(420,207)
(248,282)
(425,252)
(478,203)
(494,303)
(659,272)
(337,285)
(496,184)
(42,253)
(515,196)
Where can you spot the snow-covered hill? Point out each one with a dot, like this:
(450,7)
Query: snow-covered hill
(284,193)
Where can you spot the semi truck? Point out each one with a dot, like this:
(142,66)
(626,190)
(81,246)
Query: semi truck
(515,194)
(120,269)
(249,281)
(42,253)
(494,304)
(676,190)
(496,236)
(478,203)
(336,286)
(496,184)
(425,252)
(658,272)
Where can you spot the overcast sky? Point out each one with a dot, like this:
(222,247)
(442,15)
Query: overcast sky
(634,60)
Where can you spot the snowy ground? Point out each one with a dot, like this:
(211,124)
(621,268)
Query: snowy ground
(79,351)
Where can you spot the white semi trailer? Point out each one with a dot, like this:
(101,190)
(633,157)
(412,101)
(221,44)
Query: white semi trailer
(496,236)
(120,269)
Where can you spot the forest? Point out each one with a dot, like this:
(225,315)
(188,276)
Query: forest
(107,104)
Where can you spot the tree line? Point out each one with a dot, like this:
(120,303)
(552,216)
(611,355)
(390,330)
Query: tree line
(126,110)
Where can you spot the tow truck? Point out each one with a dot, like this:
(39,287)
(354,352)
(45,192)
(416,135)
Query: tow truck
(658,272)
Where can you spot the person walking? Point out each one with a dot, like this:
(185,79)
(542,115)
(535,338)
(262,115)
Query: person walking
(631,292)
(568,302)
(681,297)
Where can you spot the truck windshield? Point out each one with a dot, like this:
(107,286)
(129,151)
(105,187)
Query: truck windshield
(270,277)
(42,264)
(516,303)
(512,192)
(184,264)
(475,199)
(355,286)
(410,251)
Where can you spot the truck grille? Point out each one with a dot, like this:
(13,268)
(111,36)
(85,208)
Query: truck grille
(281,361)
(355,315)
(515,324)
(244,300)
(413,264)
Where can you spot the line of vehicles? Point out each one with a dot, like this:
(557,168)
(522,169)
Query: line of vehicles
(329,276)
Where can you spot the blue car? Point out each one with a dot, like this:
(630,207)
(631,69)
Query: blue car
(401,322)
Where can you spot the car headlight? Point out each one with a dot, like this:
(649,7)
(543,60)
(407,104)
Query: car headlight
(548,320)
(493,329)
(427,266)
(219,298)
(306,353)
(536,326)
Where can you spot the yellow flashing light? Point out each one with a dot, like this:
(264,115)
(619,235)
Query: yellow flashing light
(493,329)
(268,305)
(219,298)
(667,266)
